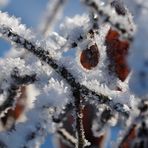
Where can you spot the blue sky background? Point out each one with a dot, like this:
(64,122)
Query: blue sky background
(31,12)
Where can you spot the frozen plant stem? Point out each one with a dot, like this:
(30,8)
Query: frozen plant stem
(93,5)
(79,122)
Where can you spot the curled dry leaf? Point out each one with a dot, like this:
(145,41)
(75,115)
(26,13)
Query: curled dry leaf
(89,57)
(117,51)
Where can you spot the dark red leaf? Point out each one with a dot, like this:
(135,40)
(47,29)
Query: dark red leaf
(117,51)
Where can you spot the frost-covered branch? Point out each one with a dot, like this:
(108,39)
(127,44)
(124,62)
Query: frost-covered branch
(61,70)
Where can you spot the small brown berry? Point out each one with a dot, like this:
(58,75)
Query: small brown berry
(89,57)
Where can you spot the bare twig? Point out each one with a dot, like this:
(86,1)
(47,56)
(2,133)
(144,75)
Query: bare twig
(51,15)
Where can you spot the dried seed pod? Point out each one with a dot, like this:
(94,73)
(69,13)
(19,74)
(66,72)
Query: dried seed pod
(117,51)
(89,57)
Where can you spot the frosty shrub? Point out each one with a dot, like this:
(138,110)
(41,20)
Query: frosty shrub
(79,98)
